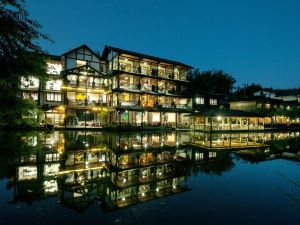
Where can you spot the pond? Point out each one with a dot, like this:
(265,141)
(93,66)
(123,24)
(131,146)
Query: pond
(90,177)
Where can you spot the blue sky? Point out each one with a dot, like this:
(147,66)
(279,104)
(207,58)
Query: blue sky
(255,41)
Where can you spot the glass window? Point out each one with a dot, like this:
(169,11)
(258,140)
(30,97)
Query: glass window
(213,101)
(30,95)
(54,68)
(30,82)
(53,97)
(72,79)
(53,85)
(200,101)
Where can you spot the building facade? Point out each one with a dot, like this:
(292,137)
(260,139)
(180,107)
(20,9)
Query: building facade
(119,88)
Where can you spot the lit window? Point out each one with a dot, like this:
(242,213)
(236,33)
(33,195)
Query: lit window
(30,82)
(200,101)
(199,156)
(27,172)
(54,68)
(213,101)
(53,85)
(30,95)
(212,154)
(53,97)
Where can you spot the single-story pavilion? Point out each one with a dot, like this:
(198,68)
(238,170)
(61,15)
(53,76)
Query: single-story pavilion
(226,120)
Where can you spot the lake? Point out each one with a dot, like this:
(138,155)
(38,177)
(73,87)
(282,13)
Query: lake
(168,177)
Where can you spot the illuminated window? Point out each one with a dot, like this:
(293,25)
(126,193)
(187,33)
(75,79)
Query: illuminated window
(199,101)
(53,97)
(53,85)
(212,154)
(198,156)
(30,82)
(54,68)
(52,157)
(27,172)
(213,101)
(30,95)
(51,169)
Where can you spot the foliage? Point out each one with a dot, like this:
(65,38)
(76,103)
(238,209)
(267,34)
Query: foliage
(246,91)
(211,82)
(20,56)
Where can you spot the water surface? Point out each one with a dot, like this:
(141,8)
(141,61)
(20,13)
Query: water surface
(145,178)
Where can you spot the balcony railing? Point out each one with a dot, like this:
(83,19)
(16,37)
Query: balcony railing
(153,72)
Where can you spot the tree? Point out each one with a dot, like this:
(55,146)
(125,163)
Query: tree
(247,90)
(20,56)
(210,82)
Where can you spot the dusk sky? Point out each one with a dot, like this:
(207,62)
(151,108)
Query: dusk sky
(255,40)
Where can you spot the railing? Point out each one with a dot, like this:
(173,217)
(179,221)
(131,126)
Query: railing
(152,72)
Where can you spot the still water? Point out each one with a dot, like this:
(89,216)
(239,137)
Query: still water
(79,177)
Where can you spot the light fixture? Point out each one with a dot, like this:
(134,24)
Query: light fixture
(219,118)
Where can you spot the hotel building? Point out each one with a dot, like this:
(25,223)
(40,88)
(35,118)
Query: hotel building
(119,88)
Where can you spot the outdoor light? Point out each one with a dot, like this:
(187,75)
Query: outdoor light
(174,186)
(157,189)
(124,180)
(219,118)
(123,199)
(143,194)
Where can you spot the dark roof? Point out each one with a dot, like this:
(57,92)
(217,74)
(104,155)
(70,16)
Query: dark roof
(51,57)
(140,55)
(226,112)
(83,46)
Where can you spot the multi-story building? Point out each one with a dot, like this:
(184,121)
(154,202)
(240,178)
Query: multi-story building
(47,94)
(119,88)
(86,88)
(147,90)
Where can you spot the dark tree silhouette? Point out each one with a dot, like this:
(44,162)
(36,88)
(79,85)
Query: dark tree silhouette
(210,82)
(20,56)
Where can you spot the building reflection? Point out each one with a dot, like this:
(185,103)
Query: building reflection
(120,169)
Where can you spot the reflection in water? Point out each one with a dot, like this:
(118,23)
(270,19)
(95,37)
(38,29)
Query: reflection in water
(120,169)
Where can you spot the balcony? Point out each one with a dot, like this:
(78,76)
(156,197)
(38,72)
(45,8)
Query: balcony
(150,68)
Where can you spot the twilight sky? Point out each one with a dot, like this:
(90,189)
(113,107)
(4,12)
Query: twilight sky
(254,40)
